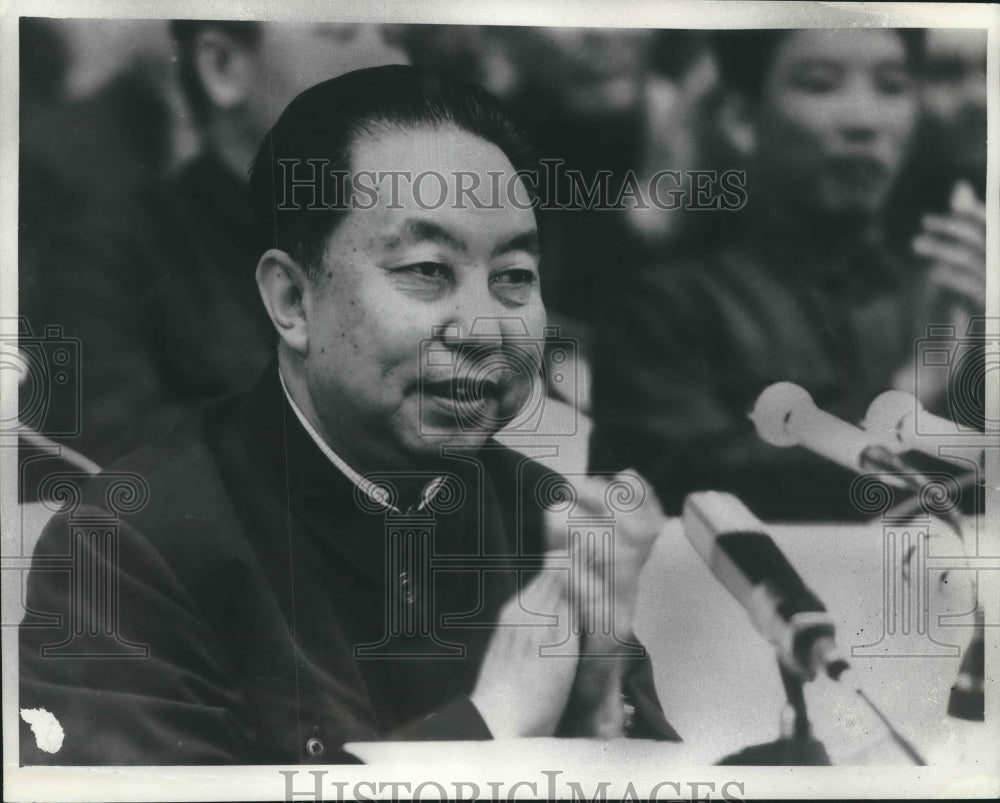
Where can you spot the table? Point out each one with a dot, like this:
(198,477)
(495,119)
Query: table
(718,680)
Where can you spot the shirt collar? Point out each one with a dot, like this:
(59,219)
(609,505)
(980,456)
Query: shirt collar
(372,490)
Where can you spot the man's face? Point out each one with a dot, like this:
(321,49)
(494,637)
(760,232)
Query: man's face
(291,57)
(835,117)
(411,276)
(953,95)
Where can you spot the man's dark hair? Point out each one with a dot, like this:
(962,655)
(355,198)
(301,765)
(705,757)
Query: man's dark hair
(185,35)
(324,122)
(745,57)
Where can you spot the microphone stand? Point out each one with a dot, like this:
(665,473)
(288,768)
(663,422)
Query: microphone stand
(795,747)
(801,729)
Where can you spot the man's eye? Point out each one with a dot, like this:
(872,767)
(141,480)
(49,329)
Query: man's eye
(515,278)
(428,270)
(423,279)
(515,286)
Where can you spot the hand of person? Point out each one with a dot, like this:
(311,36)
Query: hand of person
(632,509)
(521,692)
(603,598)
(955,244)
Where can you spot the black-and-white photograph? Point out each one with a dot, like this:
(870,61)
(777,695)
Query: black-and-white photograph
(587,403)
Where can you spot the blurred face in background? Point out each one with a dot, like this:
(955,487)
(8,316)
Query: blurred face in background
(586,71)
(834,121)
(291,57)
(953,97)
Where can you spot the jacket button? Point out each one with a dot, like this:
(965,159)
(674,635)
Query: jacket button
(315,747)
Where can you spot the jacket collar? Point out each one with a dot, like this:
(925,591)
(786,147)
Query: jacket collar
(322,496)
(317,493)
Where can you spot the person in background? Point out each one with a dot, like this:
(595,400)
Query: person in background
(938,210)
(803,289)
(952,140)
(682,93)
(89,138)
(83,144)
(156,285)
(585,89)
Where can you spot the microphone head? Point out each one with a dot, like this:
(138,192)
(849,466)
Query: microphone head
(886,416)
(774,409)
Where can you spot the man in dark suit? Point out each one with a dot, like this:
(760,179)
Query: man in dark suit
(344,553)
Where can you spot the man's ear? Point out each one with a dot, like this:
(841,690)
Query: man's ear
(285,290)
(736,119)
(225,67)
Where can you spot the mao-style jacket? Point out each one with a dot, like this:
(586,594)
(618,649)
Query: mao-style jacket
(226,595)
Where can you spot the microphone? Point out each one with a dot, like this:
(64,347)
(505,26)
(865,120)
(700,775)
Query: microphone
(740,553)
(738,550)
(785,415)
(892,417)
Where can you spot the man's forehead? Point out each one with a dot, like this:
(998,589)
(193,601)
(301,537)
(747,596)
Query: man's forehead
(405,147)
(435,183)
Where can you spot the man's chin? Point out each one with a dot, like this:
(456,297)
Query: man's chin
(432,445)
(435,431)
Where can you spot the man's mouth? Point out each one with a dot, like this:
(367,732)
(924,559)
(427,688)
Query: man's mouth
(485,402)
(466,392)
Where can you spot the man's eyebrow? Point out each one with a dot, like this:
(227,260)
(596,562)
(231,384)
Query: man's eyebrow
(416,231)
(526,241)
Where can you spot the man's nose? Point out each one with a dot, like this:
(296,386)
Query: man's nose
(478,315)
